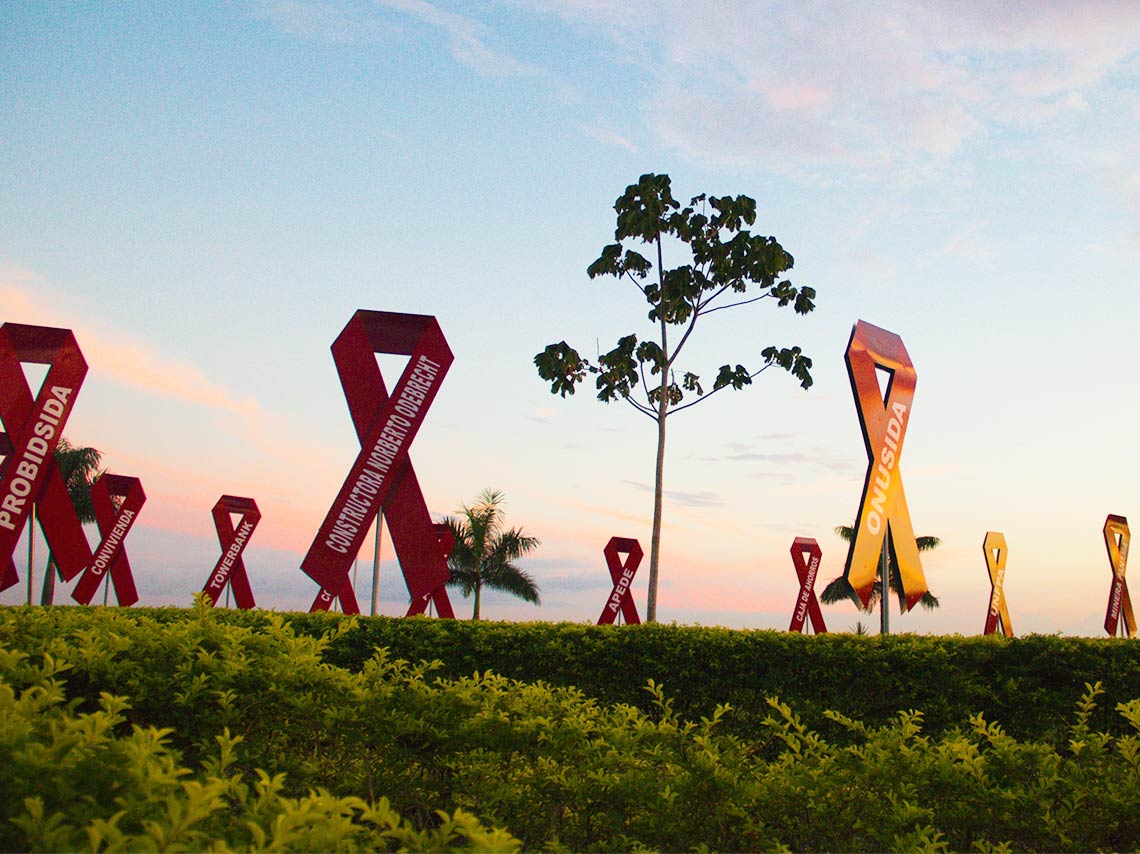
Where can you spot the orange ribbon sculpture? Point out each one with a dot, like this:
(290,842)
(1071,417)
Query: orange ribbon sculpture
(1116,539)
(883,508)
(996,553)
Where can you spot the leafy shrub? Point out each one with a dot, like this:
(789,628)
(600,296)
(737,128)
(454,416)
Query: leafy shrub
(388,753)
(75,781)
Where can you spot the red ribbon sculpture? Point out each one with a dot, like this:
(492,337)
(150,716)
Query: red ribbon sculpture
(437,597)
(807,604)
(996,553)
(1116,538)
(382,476)
(621,599)
(34,427)
(114,525)
(230,569)
(884,420)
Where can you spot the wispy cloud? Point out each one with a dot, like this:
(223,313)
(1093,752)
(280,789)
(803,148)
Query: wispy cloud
(880,88)
(776,459)
(113,353)
(267,447)
(467,38)
(543,414)
(683,498)
(327,21)
(606,137)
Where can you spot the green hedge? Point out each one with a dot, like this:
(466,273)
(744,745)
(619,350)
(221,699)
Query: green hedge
(1029,684)
(217,731)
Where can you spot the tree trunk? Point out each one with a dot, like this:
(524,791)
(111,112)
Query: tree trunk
(47,597)
(659,477)
(658,495)
(885,587)
(475,613)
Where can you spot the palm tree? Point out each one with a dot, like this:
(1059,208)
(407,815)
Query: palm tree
(80,469)
(484,551)
(840,589)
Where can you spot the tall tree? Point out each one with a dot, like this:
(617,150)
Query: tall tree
(79,467)
(485,551)
(727,267)
(840,590)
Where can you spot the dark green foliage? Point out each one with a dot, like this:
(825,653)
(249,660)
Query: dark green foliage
(485,551)
(379,753)
(1029,684)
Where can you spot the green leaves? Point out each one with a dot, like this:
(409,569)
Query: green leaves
(561,366)
(737,377)
(643,209)
(727,266)
(390,755)
(792,361)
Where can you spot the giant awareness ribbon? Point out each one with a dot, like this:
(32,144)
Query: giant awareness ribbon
(114,525)
(806,555)
(34,428)
(883,508)
(1116,538)
(230,569)
(382,476)
(621,574)
(997,552)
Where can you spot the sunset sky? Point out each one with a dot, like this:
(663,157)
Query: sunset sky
(205,194)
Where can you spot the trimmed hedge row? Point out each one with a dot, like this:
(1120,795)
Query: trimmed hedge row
(211,731)
(1028,684)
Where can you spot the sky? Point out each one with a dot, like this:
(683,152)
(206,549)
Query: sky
(206,194)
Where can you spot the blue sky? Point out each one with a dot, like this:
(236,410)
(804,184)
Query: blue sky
(205,197)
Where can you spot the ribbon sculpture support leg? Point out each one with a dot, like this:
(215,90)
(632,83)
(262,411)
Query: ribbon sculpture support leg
(883,507)
(382,476)
(230,569)
(996,553)
(621,599)
(806,555)
(1116,538)
(34,427)
(114,525)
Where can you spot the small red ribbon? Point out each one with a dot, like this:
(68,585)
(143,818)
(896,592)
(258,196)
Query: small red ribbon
(114,525)
(230,569)
(438,597)
(621,574)
(806,555)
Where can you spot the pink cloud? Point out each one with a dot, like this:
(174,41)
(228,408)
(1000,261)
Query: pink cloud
(110,352)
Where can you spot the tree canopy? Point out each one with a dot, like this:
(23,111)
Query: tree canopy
(485,551)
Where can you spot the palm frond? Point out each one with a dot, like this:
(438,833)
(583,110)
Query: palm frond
(929,601)
(839,590)
(484,552)
(79,467)
(508,578)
